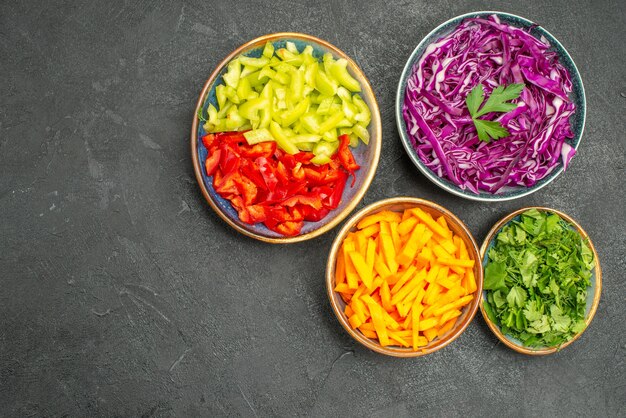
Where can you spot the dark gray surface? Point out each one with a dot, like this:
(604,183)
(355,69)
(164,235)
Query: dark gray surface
(122,293)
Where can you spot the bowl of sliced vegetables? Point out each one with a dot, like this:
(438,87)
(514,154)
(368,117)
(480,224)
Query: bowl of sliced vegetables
(490,106)
(286,137)
(542,280)
(403,277)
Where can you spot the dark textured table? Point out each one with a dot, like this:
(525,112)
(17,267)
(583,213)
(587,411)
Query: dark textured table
(122,293)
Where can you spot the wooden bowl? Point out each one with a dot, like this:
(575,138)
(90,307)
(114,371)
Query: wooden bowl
(366,156)
(593,293)
(399,204)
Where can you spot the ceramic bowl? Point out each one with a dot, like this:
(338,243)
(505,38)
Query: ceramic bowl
(577,95)
(399,204)
(593,292)
(366,156)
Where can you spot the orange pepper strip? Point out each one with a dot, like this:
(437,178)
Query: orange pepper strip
(385,215)
(446,327)
(370,230)
(454,305)
(416,241)
(449,315)
(370,255)
(385,296)
(363,270)
(403,279)
(389,252)
(427,324)
(340,269)
(417,280)
(415,319)
(351,275)
(381,268)
(430,334)
(394,336)
(430,222)
(471,281)
(407,225)
(453,262)
(379,323)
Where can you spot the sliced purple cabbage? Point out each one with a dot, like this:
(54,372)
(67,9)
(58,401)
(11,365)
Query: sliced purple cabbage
(439,124)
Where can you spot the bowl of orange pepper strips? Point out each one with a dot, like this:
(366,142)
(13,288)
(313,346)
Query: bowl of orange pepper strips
(252,176)
(403,277)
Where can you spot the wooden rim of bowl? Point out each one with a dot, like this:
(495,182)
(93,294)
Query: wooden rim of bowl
(372,344)
(375,141)
(596,297)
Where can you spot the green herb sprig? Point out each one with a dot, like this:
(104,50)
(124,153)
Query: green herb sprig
(497,102)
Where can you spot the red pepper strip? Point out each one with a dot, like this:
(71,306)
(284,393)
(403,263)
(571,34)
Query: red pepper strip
(289,228)
(289,161)
(234,138)
(263,149)
(212,161)
(251,170)
(226,186)
(268,174)
(335,198)
(246,188)
(346,158)
(314,176)
(314,201)
(313,215)
(258,213)
(281,173)
(230,160)
(303,157)
(208,140)
(298,172)
(241,209)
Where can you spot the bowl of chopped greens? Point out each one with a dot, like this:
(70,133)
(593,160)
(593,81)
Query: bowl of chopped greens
(286,137)
(490,106)
(542,280)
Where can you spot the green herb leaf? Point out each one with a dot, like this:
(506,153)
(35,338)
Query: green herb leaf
(495,274)
(497,102)
(488,130)
(516,297)
(474,99)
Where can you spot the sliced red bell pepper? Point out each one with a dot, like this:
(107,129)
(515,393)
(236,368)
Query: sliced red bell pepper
(208,140)
(229,161)
(246,188)
(345,156)
(335,198)
(241,209)
(264,184)
(313,215)
(298,172)
(262,149)
(282,173)
(212,161)
(258,213)
(268,173)
(289,228)
(227,185)
(315,201)
(251,170)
